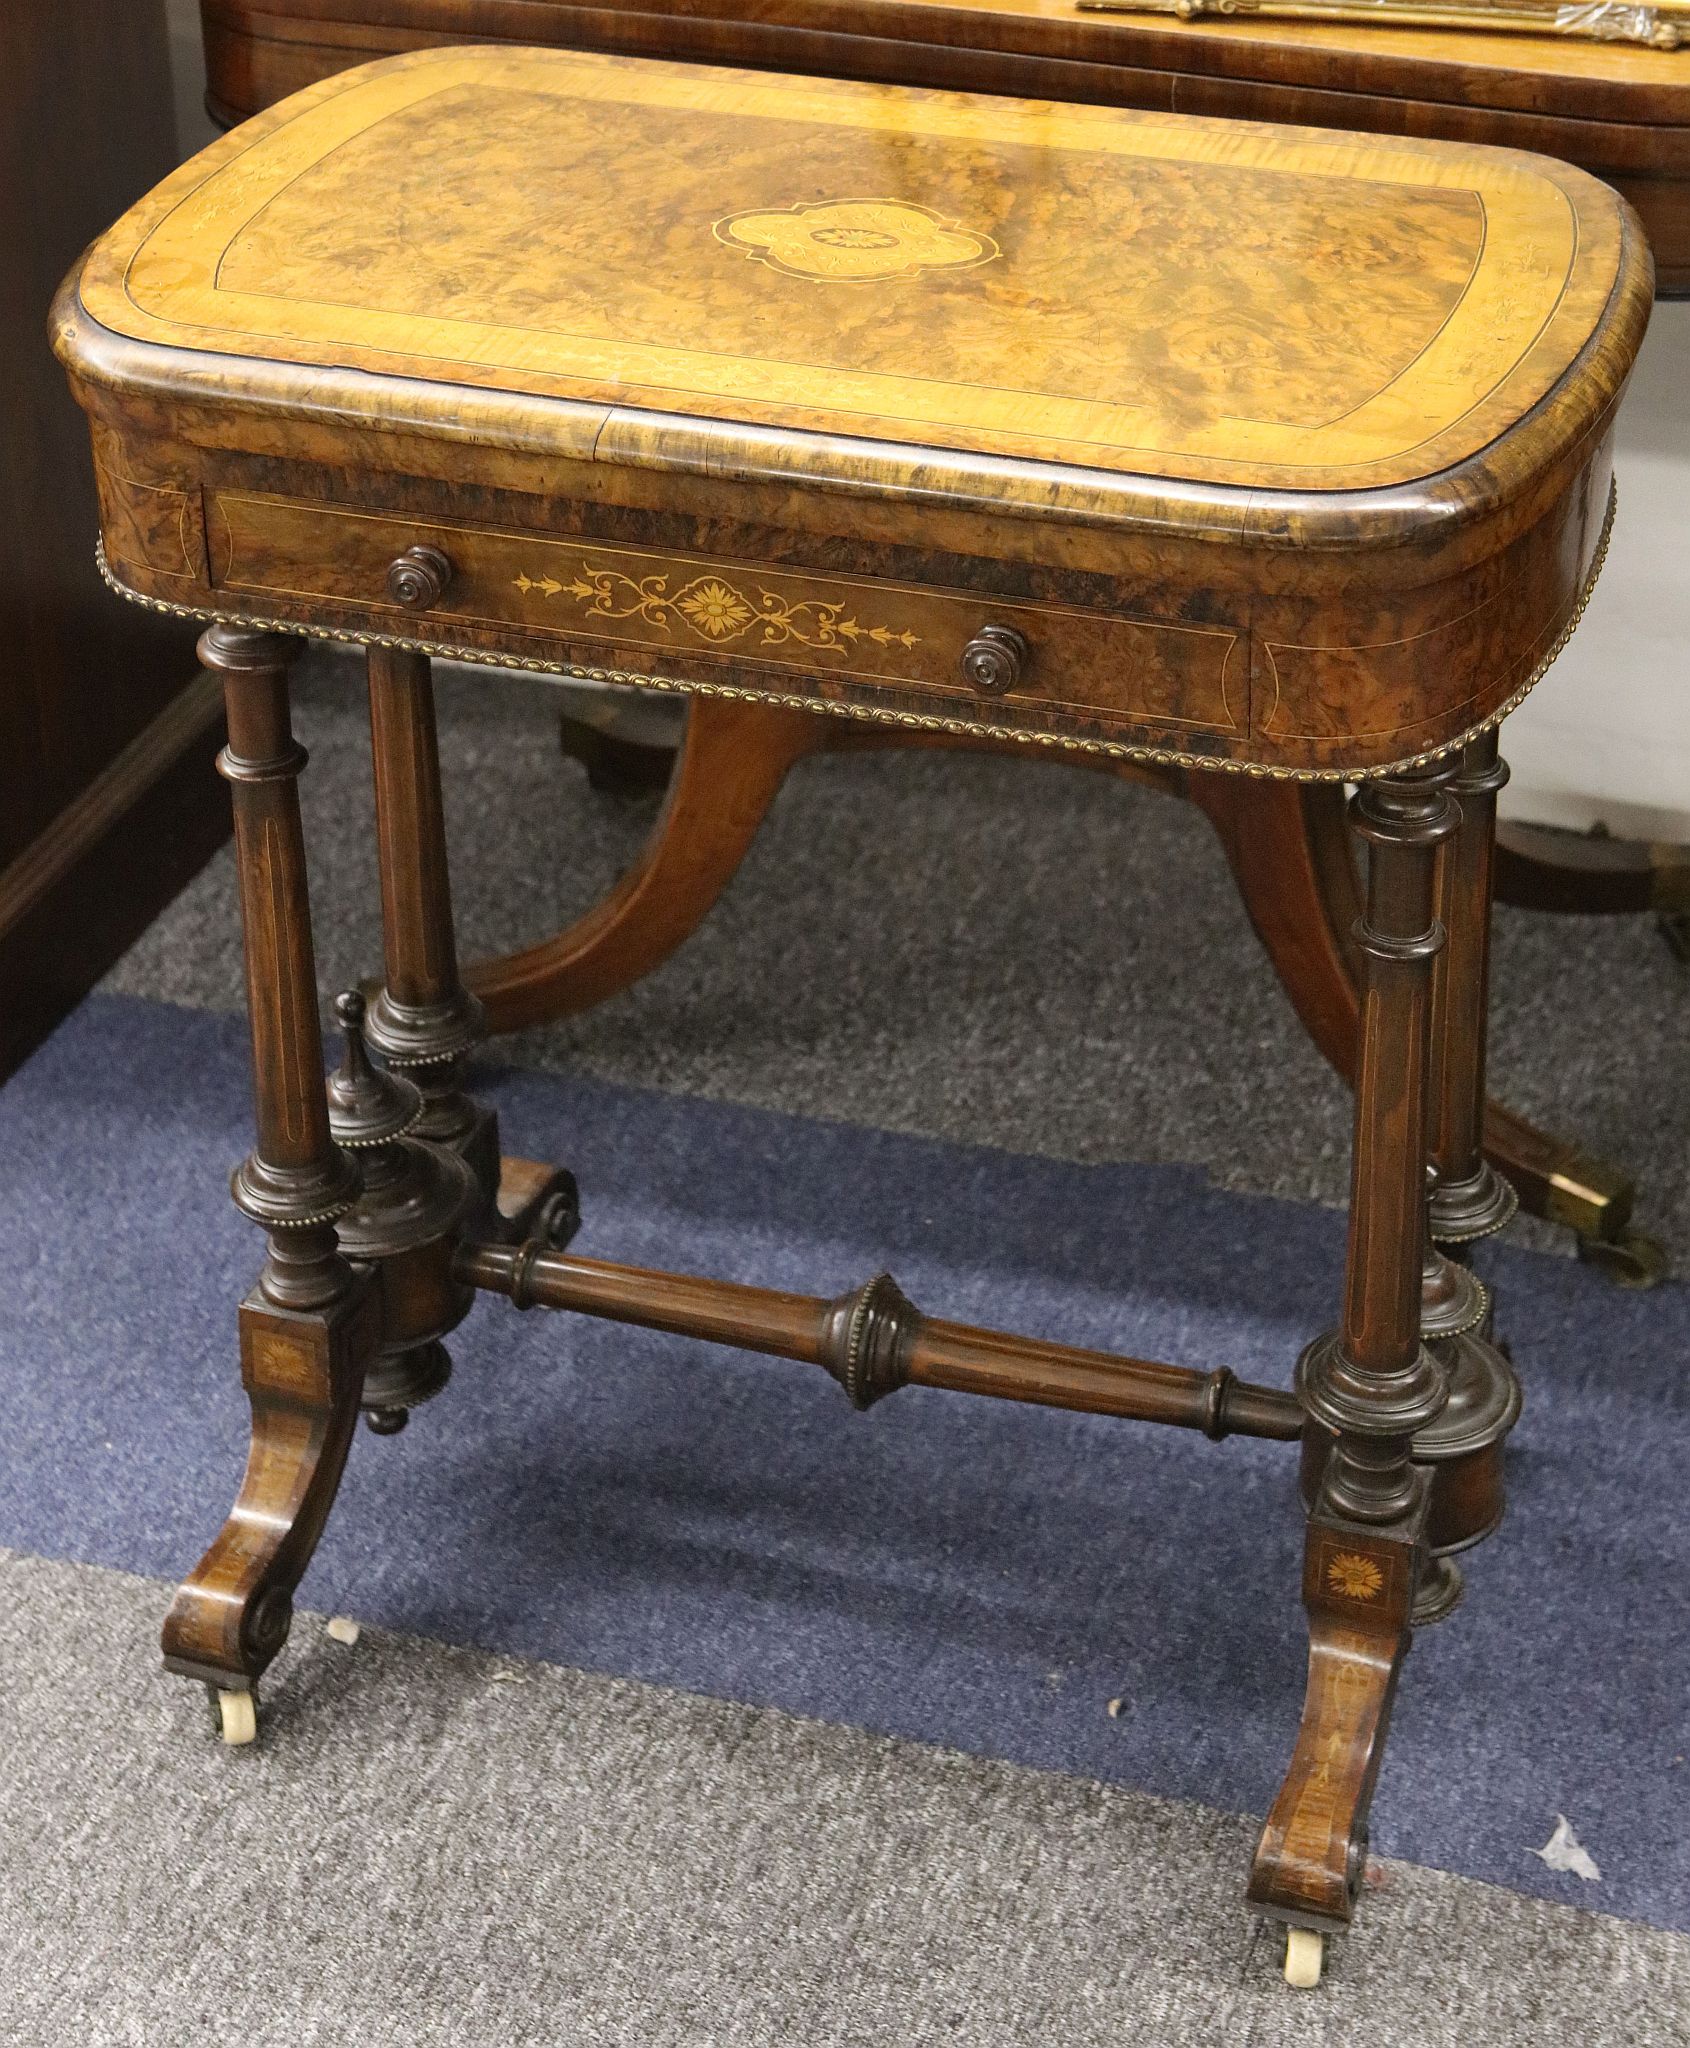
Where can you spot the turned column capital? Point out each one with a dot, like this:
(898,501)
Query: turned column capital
(1482,772)
(234,649)
(254,666)
(1412,809)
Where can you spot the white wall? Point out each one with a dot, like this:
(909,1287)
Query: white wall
(194,128)
(1606,734)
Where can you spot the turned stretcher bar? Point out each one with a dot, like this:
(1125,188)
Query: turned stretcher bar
(875,1340)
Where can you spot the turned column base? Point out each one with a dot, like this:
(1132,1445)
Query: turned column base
(1461,1451)
(1462,1211)
(402,1380)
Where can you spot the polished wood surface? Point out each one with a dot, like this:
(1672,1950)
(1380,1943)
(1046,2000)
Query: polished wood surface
(1159,297)
(1589,81)
(750,550)
(875,1341)
(625,598)
(1623,114)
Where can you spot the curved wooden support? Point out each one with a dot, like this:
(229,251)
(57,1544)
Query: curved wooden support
(1357,1585)
(1584,874)
(1292,856)
(304,1374)
(732,761)
(1288,845)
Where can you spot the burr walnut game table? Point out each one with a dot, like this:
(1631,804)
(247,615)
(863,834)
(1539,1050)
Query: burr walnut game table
(1256,451)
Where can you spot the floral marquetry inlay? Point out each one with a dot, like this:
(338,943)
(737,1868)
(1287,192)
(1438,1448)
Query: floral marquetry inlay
(855,241)
(716,610)
(1354,1576)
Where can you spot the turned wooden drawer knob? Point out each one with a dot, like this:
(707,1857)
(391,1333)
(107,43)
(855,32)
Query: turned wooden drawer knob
(993,660)
(418,578)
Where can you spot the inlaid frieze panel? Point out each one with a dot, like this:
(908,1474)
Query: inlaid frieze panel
(742,615)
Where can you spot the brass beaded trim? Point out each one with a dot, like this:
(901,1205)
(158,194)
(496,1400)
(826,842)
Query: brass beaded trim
(393,1136)
(1510,1208)
(910,720)
(310,1222)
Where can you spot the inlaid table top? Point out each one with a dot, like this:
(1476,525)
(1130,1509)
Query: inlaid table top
(719,307)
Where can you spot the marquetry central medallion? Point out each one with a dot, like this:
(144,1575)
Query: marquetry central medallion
(855,241)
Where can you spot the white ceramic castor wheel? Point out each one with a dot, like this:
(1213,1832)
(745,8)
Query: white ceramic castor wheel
(1305,1954)
(237,1717)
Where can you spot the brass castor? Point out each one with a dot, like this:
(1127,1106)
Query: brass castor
(237,1715)
(1305,1957)
(1632,1259)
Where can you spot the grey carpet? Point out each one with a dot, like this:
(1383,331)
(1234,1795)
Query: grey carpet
(436,1846)
(1029,955)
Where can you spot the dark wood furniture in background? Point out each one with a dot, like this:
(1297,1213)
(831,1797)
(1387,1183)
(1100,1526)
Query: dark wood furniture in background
(1621,113)
(1252,455)
(108,799)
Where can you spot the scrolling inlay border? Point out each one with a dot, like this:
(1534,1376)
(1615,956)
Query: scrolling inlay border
(715,609)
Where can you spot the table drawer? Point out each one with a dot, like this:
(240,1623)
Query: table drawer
(959,648)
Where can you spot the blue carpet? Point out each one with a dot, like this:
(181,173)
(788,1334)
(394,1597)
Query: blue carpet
(964,1572)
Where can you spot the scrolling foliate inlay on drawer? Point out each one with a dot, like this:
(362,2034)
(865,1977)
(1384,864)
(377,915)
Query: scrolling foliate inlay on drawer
(703,609)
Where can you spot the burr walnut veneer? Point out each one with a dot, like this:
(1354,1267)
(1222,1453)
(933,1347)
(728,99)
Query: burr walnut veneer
(1215,448)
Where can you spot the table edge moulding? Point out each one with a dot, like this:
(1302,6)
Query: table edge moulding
(280,462)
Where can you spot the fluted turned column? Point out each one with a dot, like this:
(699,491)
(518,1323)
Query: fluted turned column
(1374,1383)
(1470,1199)
(422,1018)
(296,1180)
(1367,1389)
